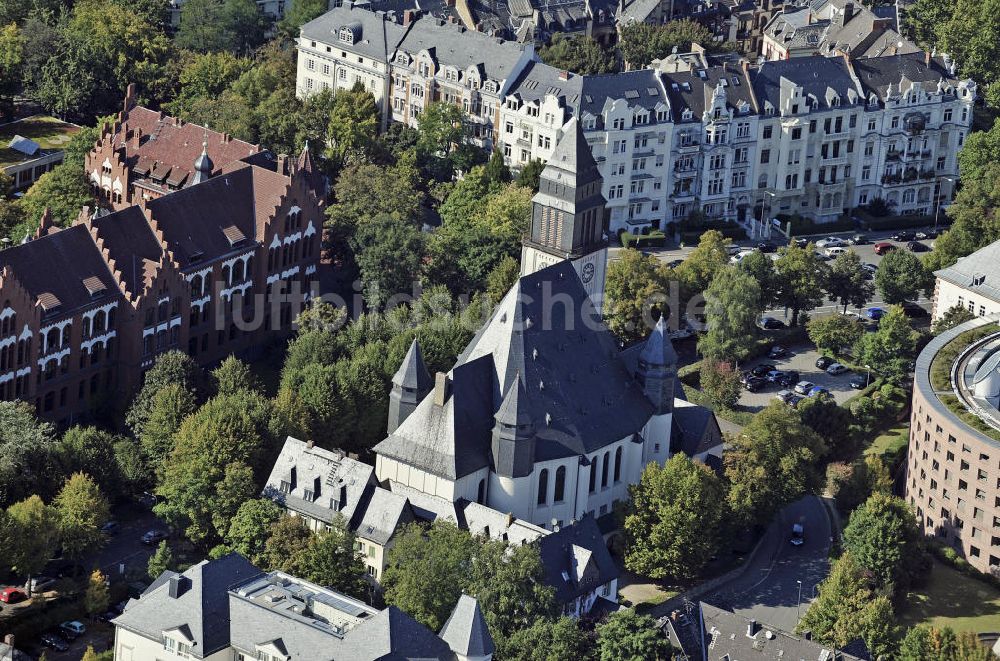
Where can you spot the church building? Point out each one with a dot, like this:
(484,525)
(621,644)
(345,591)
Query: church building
(543,415)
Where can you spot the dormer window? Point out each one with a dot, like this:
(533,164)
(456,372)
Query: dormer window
(347,34)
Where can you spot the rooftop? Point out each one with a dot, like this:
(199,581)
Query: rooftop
(48,133)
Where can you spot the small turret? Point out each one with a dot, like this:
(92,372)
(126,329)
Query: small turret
(657,368)
(411,383)
(466,631)
(203,165)
(514,434)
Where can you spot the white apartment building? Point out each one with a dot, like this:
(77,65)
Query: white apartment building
(973,283)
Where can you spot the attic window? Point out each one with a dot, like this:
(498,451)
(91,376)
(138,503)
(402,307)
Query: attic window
(49,302)
(94,286)
(631,94)
(234,235)
(978,279)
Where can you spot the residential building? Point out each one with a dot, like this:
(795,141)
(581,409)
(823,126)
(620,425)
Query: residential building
(973,283)
(195,271)
(579,566)
(228,609)
(145,154)
(832,28)
(539,21)
(25,160)
(952,460)
(542,416)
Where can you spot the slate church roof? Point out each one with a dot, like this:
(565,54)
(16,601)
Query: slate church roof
(576,560)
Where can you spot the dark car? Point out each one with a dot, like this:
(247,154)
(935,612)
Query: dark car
(882,247)
(775,376)
(858,240)
(859,382)
(902,236)
(777,351)
(913,311)
(875,313)
(926,234)
(674,263)
(790,379)
(916,246)
(801,243)
(153,537)
(762,369)
(764,246)
(770,323)
(54,641)
(111,528)
(107,616)
(823,362)
(755,383)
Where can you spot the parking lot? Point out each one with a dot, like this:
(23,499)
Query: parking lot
(801,358)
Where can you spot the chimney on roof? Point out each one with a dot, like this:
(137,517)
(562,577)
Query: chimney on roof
(440,388)
(848,11)
(751,628)
(226,138)
(807,635)
(176,586)
(510,519)
(927,58)
(564,75)
(130,97)
(9,640)
(310,444)
(283,164)
(409,16)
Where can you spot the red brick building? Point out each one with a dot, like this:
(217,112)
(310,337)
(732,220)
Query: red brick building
(86,310)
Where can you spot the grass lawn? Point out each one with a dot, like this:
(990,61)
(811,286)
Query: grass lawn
(953,599)
(48,132)
(890,442)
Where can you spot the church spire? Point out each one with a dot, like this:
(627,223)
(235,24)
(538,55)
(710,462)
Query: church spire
(203,165)
(410,384)
(514,433)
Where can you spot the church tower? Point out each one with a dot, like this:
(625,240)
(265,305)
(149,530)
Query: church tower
(410,385)
(514,434)
(568,215)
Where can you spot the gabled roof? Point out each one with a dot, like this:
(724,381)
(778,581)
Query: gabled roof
(392,635)
(539,80)
(694,89)
(978,273)
(576,559)
(694,429)
(815,75)
(466,632)
(375,36)
(572,162)
(877,73)
(57,264)
(640,89)
(384,513)
(658,349)
(413,372)
(202,605)
(130,241)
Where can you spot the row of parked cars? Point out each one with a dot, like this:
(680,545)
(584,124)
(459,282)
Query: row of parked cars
(60,637)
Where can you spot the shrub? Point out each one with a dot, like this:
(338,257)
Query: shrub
(652,238)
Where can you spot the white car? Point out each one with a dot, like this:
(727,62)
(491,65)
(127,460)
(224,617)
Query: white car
(836,369)
(834,251)
(829,242)
(738,257)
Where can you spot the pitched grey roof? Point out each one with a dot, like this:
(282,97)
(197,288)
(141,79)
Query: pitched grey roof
(695,89)
(658,349)
(539,79)
(428,507)
(482,520)
(375,37)
(640,89)
(979,272)
(877,73)
(576,559)
(342,482)
(815,74)
(413,372)
(384,514)
(572,161)
(466,632)
(392,635)
(513,410)
(202,606)
(727,634)
(694,429)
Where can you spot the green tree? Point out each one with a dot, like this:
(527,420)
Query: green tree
(626,636)
(92,451)
(441,129)
(233,375)
(547,640)
(502,278)
(427,571)
(300,13)
(900,276)
(170,406)
(580,54)
(97,596)
(331,560)
(846,283)
(633,283)
(81,509)
(32,537)
(172,367)
(834,618)
(530,174)
(972,36)
(834,333)
(641,43)
(353,126)
(205,76)
(721,382)
(249,528)
(389,253)
(12,44)
(760,267)
(288,540)
(220,25)
(63,191)
(799,274)
(953,316)
(833,423)
(889,349)
(365,191)
(732,304)
(26,444)
(916,645)
(708,258)
(882,536)
(161,560)
(674,522)
(771,463)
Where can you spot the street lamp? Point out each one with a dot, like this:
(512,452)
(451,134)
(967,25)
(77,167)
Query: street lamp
(937,207)
(868,375)
(799,603)
(772,194)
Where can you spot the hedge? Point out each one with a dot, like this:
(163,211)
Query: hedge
(654,238)
(950,557)
(692,237)
(804,226)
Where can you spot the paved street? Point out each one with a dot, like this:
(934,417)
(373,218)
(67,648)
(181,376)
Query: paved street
(768,591)
(126,547)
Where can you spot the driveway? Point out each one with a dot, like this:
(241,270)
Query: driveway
(769,590)
(802,358)
(126,548)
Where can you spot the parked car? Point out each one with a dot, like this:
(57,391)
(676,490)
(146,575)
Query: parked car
(916,246)
(12,595)
(754,383)
(738,257)
(926,234)
(732,249)
(152,537)
(823,362)
(882,247)
(798,535)
(829,242)
(871,268)
(54,641)
(785,396)
(800,242)
(818,391)
(859,382)
(858,240)
(790,379)
(762,369)
(674,263)
(107,616)
(770,323)
(682,333)
(875,313)
(765,246)
(775,376)
(913,311)
(40,583)
(902,235)
(835,251)
(72,629)
(777,351)
(836,369)
(803,387)
(111,528)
